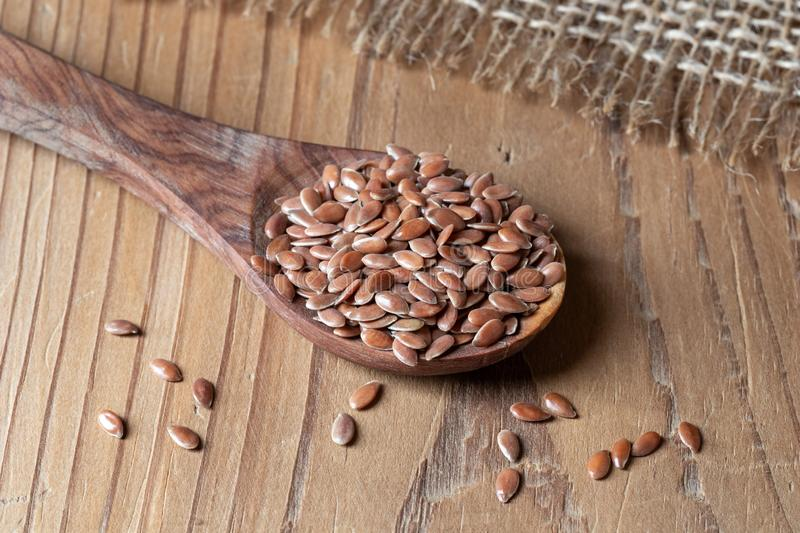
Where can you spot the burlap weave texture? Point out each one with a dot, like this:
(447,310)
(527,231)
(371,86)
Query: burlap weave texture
(727,73)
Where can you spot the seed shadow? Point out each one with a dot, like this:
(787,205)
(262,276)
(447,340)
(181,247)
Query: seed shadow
(564,342)
(568,338)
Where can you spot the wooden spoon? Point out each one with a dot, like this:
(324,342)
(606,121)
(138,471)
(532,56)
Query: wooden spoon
(215,182)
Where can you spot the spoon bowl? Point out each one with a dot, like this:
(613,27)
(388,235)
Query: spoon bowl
(216,182)
(460,359)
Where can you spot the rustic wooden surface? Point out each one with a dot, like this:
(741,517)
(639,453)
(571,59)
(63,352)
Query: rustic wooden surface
(682,304)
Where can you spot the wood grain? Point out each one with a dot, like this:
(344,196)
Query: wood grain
(683,305)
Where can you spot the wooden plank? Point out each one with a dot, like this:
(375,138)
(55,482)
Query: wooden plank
(232,367)
(682,305)
(158,73)
(206,352)
(112,361)
(125,505)
(23,369)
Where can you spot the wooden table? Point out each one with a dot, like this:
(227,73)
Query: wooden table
(682,304)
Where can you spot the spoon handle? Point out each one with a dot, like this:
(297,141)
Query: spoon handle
(200,173)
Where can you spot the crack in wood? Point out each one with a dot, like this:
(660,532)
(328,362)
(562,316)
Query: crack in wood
(464,452)
(792,209)
(635,270)
(772,335)
(735,370)
(659,352)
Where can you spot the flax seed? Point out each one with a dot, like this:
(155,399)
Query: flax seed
(121,327)
(111,423)
(322,230)
(310,200)
(508,442)
(556,404)
(489,333)
(365,396)
(512,325)
(347,331)
(331,317)
(411,339)
(532,294)
(553,273)
(690,436)
(370,245)
(424,310)
(599,464)
(444,236)
(407,324)
(166,370)
(409,260)
(424,246)
(421,292)
(184,437)
(507,303)
(407,356)
(525,278)
(621,453)
(330,212)
(391,303)
(505,262)
(433,167)
(290,260)
(439,347)
(646,444)
(203,392)
(483,315)
(506,484)
(448,318)
(318,302)
(528,412)
(376,338)
(276,225)
(442,217)
(343,429)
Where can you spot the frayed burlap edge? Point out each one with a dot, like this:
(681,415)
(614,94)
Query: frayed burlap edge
(723,73)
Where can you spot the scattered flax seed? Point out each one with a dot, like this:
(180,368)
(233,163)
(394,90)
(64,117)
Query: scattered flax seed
(184,437)
(111,423)
(690,436)
(646,444)
(365,396)
(621,453)
(599,464)
(506,484)
(343,429)
(203,392)
(508,442)
(556,404)
(166,370)
(122,327)
(528,412)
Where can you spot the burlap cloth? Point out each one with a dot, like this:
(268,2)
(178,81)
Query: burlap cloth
(727,74)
